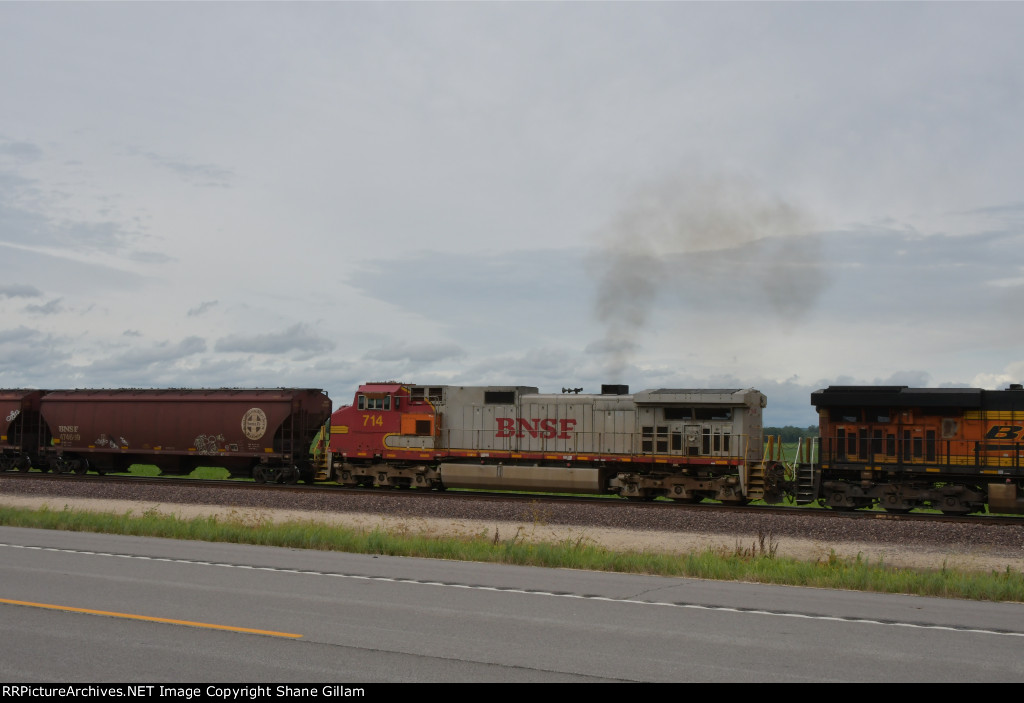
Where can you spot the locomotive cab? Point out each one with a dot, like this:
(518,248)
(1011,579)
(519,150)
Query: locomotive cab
(386,435)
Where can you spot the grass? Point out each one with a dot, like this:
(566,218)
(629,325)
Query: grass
(757,562)
(201,472)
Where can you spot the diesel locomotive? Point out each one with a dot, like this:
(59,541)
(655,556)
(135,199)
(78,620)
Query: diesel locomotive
(954,449)
(683,444)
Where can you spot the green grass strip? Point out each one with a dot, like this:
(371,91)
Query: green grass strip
(758,563)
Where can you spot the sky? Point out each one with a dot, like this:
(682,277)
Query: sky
(778,195)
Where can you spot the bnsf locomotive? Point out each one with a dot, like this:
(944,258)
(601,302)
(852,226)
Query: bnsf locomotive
(957,450)
(683,444)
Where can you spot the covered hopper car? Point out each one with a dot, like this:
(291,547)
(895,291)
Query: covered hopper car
(261,433)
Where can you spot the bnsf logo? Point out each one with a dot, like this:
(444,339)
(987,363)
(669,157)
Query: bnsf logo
(548,428)
(1005,432)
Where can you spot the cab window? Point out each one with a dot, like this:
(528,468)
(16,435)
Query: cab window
(374,402)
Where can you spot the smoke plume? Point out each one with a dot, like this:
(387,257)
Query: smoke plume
(720,233)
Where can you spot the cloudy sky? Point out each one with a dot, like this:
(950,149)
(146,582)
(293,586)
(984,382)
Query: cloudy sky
(777,195)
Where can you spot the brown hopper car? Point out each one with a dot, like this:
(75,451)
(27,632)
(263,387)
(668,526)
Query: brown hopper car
(262,433)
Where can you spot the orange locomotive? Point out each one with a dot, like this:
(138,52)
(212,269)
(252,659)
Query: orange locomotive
(954,449)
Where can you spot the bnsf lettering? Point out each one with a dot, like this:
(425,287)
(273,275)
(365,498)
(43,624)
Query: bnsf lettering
(68,433)
(547,428)
(1004,432)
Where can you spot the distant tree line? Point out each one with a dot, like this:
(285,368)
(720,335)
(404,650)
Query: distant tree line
(790,433)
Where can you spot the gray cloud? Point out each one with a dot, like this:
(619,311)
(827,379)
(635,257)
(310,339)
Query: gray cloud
(29,357)
(33,213)
(416,353)
(137,359)
(206,175)
(18,334)
(23,151)
(51,308)
(298,337)
(203,307)
(20,291)
(25,220)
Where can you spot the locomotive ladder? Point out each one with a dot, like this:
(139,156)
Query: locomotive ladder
(807,477)
(755,483)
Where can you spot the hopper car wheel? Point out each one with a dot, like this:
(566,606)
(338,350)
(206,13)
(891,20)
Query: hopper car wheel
(258,475)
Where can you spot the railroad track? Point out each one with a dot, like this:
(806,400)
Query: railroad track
(218,488)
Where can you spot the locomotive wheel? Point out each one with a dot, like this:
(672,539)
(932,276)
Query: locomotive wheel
(951,505)
(894,504)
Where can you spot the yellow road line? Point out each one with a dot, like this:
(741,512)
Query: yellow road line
(149,618)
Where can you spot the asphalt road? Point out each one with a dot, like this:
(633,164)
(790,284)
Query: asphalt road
(106,608)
